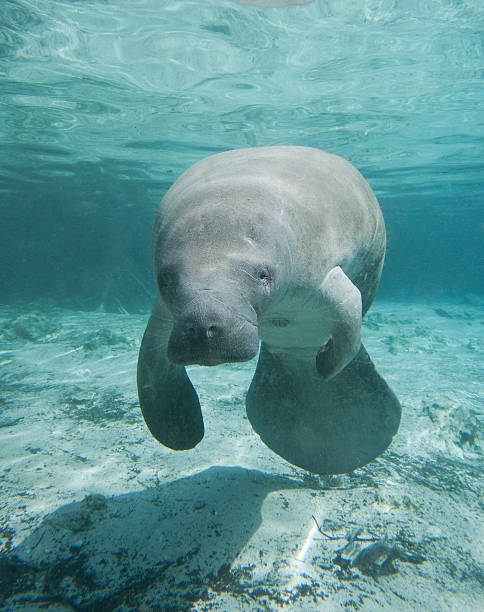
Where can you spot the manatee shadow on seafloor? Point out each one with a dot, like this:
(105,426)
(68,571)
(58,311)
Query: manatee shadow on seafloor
(162,546)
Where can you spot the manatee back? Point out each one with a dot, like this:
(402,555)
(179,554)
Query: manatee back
(319,199)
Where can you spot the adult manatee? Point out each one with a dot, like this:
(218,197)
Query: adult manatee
(282,245)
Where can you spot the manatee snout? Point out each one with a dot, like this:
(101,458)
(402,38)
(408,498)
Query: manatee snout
(209,332)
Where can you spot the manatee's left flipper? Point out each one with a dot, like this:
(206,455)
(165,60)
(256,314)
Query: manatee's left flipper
(168,401)
(324,427)
(341,308)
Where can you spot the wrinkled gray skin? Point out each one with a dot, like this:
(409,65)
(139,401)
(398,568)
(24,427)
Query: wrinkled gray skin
(284,245)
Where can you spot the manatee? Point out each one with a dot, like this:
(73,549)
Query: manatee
(276,251)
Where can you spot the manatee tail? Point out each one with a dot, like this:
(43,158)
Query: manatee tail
(324,427)
(168,401)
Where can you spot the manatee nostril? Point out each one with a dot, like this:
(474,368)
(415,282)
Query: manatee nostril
(195,333)
(212,331)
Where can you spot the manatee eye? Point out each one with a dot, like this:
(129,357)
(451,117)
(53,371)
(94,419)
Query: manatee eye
(265,276)
(166,278)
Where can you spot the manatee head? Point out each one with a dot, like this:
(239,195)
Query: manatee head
(216,271)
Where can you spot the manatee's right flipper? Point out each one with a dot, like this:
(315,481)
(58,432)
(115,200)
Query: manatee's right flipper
(325,427)
(168,401)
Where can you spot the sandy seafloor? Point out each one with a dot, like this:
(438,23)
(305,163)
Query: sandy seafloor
(96,515)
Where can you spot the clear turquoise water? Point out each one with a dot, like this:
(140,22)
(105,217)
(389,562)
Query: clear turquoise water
(103,104)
